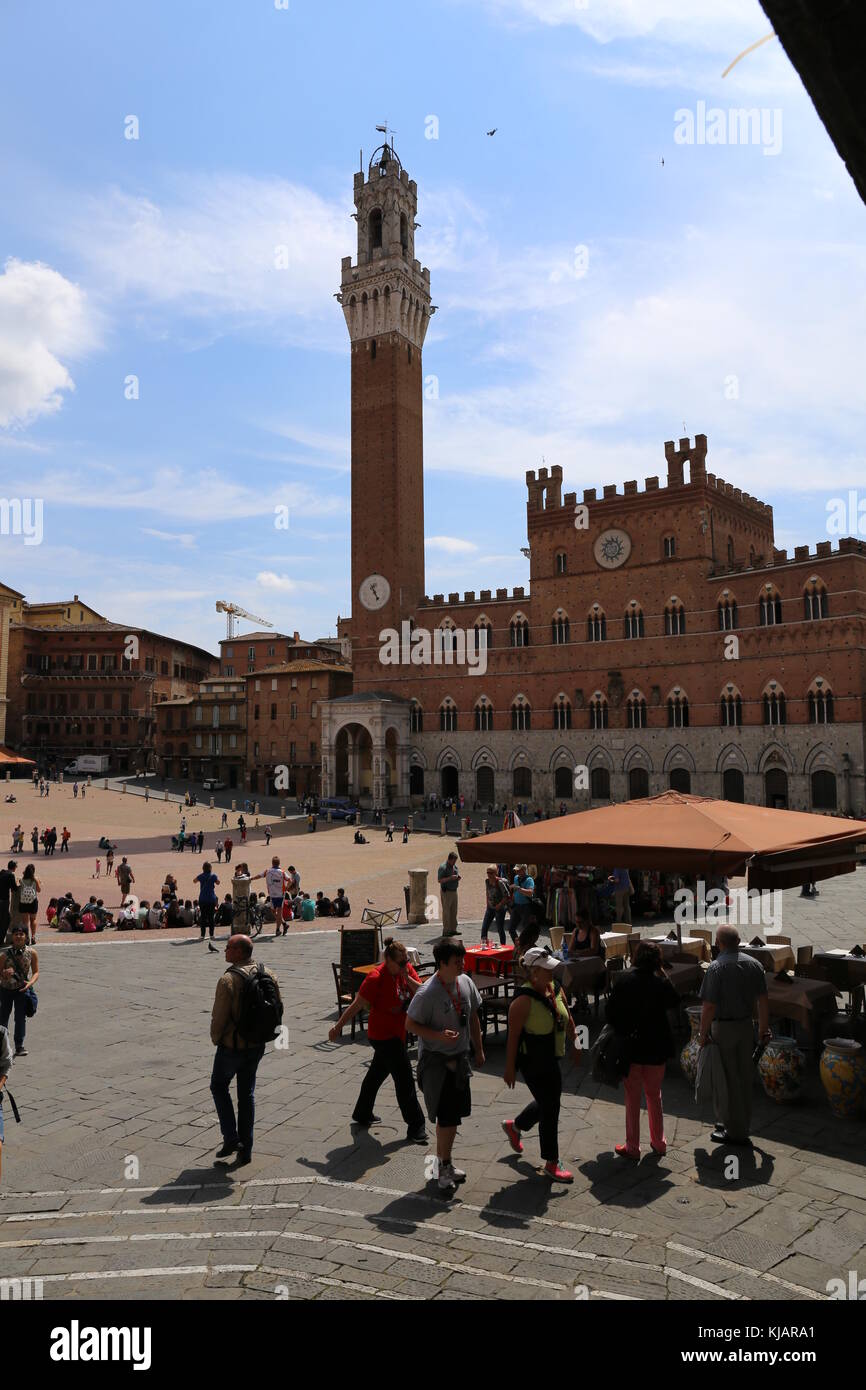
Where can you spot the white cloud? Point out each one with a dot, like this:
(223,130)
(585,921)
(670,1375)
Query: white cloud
(683,21)
(44,319)
(267,579)
(451,544)
(183,538)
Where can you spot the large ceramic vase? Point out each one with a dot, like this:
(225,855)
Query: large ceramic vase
(843,1076)
(781,1069)
(692,1050)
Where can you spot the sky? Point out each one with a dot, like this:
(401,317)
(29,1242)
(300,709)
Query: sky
(609,273)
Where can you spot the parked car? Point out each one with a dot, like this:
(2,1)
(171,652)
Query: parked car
(340,807)
(213,785)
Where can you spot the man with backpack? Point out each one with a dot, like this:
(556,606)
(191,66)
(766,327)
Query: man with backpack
(247,1013)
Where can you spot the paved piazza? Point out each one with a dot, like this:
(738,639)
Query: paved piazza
(109,1189)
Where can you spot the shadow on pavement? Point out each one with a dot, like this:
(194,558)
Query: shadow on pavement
(215,1180)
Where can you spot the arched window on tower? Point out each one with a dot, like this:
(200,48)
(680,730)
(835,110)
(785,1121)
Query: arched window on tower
(678,710)
(404,233)
(416,718)
(730,550)
(731,708)
(374,226)
(727,612)
(596,625)
(519,631)
(483,632)
(521,714)
(775,711)
(562,712)
(815,601)
(670,547)
(560,628)
(561,562)
(598,713)
(634,625)
(448,716)
(483,715)
(675,618)
(636,710)
(820,703)
(770,606)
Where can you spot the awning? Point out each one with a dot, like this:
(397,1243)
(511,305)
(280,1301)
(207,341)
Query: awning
(8,759)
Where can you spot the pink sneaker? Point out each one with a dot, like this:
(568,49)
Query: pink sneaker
(553,1170)
(626,1153)
(513,1136)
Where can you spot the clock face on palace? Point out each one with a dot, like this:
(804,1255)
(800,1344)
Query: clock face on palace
(374,592)
(612,548)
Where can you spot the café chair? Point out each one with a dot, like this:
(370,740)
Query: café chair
(705,934)
(804,959)
(613,967)
(633,943)
(347,987)
(494,1006)
(778,940)
(556,935)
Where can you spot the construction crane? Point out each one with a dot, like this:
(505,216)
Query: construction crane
(233,611)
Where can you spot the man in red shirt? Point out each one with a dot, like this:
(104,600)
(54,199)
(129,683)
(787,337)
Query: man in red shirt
(387,991)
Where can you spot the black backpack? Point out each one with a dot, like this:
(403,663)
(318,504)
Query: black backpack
(261,1009)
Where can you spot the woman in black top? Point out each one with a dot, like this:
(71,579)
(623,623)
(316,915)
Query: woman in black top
(638,1010)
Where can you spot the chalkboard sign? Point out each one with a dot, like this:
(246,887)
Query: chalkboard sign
(359,946)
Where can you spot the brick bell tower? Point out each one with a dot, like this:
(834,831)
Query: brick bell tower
(385,299)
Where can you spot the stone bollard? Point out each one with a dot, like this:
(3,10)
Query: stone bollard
(330,818)
(165,795)
(234,805)
(443,826)
(417,915)
(8,776)
(411,824)
(123,788)
(282,813)
(211,803)
(105,785)
(484,829)
(256,810)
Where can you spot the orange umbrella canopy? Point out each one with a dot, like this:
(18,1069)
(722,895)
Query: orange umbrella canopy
(685,834)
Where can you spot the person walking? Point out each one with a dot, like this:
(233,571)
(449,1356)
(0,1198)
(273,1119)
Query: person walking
(538,1024)
(34,839)
(219,851)
(237,1035)
(622,891)
(52,839)
(19,971)
(28,901)
(96,875)
(8,887)
(444,1014)
(267,835)
(448,878)
(387,991)
(75,790)
(207,899)
(638,1010)
(276,880)
(124,875)
(225,820)
(733,985)
(405,833)
(83,790)
(228,845)
(64,840)
(523,888)
(496,890)
(5,1068)
(109,862)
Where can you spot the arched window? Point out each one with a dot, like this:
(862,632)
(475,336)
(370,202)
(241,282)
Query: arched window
(776,788)
(404,232)
(416,718)
(521,714)
(375,229)
(732,710)
(561,562)
(634,626)
(730,551)
(416,780)
(815,601)
(562,712)
(823,791)
(599,784)
(483,715)
(560,628)
(448,716)
(820,704)
(727,612)
(678,711)
(519,631)
(449,635)
(596,625)
(774,705)
(638,783)
(522,782)
(598,711)
(563,783)
(636,710)
(680,780)
(483,625)
(733,785)
(675,618)
(770,607)
(670,547)
(484,784)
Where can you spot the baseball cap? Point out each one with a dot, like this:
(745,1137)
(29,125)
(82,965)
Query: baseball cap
(540,958)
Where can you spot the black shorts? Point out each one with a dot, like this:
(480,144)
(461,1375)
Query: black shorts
(454,1104)
(28,909)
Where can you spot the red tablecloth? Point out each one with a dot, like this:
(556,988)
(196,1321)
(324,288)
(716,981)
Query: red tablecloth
(489,962)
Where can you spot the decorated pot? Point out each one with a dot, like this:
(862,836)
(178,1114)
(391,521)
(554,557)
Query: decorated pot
(692,1050)
(843,1076)
(781,1069)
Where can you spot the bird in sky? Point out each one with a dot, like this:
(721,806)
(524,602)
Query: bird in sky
(493,131)
(663,161)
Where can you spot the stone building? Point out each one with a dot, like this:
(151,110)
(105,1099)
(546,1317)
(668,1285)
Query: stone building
(284,717)
(204,736)
(664,641)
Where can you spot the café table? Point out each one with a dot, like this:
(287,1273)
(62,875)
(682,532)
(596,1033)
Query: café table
(615,943)
(801,1000)
(488,960)
(686,979)
(846,972)
(581,975)
(781,957)
(689,946)
(363,969)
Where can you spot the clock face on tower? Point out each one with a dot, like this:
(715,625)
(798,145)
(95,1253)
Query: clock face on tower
(612,548)
(374,592)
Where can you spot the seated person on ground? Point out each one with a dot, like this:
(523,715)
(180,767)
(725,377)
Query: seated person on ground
(225,913)
(341,904)
(308,908)
(154,917)
(323,905)
(360,839)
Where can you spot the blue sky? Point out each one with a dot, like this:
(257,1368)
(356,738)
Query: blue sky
(591,299)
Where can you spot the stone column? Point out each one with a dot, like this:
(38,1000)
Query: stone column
(417,916)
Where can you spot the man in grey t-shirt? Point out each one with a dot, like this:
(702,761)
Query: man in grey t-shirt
(732,987)
(444,1014)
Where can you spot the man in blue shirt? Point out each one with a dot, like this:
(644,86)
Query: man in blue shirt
(524,887)
(622,891)
(207,899)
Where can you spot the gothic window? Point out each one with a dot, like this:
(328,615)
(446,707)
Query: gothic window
(375,226)
(774,706)
(449,636)
(416,718)
(599,784)
(670,547)
(483,626)
(680,780)
(373,350)
(731,710)
(561,562)
(598,712)
(678,711)
(519,631)
(733,785)
(562,713)
(448,716)
(638,783)
(675,618)
(823,791)
(730,550)
(820,705)
(770,608)
(596,625)
(815,602)
(727,613)
(636,711)
(483,715)
(521,714)
(634,625)
(560,628)
(404,232)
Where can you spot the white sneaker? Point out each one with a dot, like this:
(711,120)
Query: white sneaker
(449,1176)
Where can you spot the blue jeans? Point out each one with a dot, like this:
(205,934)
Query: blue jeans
(242,1063)
(10,998)
(492,914)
